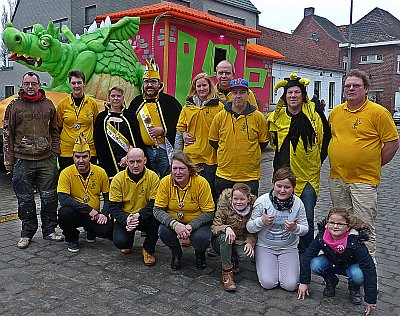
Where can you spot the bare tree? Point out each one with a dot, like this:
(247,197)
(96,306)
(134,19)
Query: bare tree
(6,11)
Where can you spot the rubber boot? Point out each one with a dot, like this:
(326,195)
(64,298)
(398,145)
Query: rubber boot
(330,287)
(227,278)
(176,261)
(355,294)
(200,260)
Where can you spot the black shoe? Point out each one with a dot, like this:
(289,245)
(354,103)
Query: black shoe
(73,246)
(330,288)
(212,253)
(90,237)
(201,260)
(354,294)
(176,260)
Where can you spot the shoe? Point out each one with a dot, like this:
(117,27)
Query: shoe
(176,260)
(24,242)
(354,294)
(148,258)
(235,268)
(73,246)
(90,237)
(227,278)
(143,233)
(186,243)
(54,237)
(211,252)
(330,288)
(200,260)
(126,251)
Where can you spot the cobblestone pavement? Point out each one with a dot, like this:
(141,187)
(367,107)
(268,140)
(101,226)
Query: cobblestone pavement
(46,279)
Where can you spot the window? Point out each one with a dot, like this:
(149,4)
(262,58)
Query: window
(398,64)
(345,64)
(317,88)
(368,59)
(219,55)
(331,95)
(59,23)
(90,14)
(9,91)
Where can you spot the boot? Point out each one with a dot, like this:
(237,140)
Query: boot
(330,288)
(201,260)
(176,261)
(227,278)
(235,268)
(354,294)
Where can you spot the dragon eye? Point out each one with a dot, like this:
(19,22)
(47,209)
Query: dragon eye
(44,43)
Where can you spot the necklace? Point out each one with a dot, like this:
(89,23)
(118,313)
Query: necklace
(85,184)
(77,126)
(181,203)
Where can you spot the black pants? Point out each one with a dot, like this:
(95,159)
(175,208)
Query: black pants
(70,219)
(222,184)
(124,239)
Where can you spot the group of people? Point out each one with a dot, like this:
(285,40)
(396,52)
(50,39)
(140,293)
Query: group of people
(192,172)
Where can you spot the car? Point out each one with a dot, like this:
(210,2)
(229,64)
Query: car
(396,117)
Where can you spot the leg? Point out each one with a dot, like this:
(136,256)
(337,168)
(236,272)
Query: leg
(224,249)
(356,279)
(340,194)
(253,185)
(208,172)
(267,268)
(200,240)
(162,162)
(69,220)
(169,238)
(321,266)
(222,184)
(99,230)
(289,269)
(150,226)
(309,198)
(122,239)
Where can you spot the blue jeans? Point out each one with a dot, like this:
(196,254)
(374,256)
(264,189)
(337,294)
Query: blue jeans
(43,175)
(324,268)
(309,198)
(159,160)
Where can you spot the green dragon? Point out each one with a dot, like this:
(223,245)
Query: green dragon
(104,54)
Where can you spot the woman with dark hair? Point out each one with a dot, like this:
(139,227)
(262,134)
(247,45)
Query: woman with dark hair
(185,209)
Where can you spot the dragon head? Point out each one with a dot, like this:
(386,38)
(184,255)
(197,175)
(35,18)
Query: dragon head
(39,50)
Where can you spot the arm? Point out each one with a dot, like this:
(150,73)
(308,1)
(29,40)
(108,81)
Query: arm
(202,219)
(389,149)
(106,206)
(218,226)
(178,141)
(147,211)
(117,212)
(326,135)
(54,134)
(8,139)
(255,224)
(66,200)
(368,268)
(162,216)
(302,224)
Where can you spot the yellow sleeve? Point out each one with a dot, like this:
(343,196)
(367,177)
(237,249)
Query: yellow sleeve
(214,128)
(182,121)
(95,110)
(162,197)
(105,182)
(64,183)
(252,99)
(60,112)
(263,129)
(115,190)
(155,183)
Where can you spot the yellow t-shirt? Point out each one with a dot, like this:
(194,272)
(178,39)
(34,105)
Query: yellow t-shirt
(134,196)
(150,109)
(71,182)
(196,198)
(356,145)
(239,152)
(197,121)
(67,117)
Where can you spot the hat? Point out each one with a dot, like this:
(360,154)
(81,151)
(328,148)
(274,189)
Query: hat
(81,144)
(293,81)
(151,71)
(239,82)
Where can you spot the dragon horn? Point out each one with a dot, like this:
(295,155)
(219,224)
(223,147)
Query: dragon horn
(305,81)
(280,84)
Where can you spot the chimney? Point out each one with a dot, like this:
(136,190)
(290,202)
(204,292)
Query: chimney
(309,11)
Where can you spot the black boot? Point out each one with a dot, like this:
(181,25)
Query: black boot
(330,288)
(176,261)
(354,294)
(201,260)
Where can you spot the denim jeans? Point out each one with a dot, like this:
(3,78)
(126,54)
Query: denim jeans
(222,184)
(324,268)
(309,198)
(42,175)
(208,172)
(159,161)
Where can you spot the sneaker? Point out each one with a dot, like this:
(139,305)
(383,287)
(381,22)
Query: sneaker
(54,237)
(90,237)
(24,242)
(73,246)
(126,251)
(148,259)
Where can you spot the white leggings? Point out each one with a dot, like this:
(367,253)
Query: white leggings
(277,267)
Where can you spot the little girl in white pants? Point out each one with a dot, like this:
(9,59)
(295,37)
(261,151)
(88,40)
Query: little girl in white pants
(278,218)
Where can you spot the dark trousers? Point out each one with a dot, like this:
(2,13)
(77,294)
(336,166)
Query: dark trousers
(64,162)
(309,198)
(70,219)
(43,175)
(222,184)
(124,239)
(208,172)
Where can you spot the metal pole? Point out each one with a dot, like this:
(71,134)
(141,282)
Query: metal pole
(350,31)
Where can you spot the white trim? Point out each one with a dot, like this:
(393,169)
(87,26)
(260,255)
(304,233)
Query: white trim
(341,45)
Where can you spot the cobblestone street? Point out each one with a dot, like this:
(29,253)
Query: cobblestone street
(46,279)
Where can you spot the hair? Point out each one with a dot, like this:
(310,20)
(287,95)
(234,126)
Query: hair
(211,93)
(185,159)
(359,74)
(284,173)
(31,74)
(353,221)
(76,74)
(116,88)
(242,187)
(226,61)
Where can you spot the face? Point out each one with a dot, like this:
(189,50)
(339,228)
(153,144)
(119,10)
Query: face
(239,96)
(31,85)
(294,99)
(224,75)
(283,189)
(337,226)
(136,161)
(202,88)
(240,200)
(354,90)
(116,99)
(77,86)
(82,161)
(151,87)
(180,173)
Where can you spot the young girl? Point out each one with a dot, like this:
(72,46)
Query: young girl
(231,239)
(279,219)
(341,240)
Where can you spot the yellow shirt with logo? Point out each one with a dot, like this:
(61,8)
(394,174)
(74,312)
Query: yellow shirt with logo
(72,183)
(67,117)
(134,196)
(239,138)
(152,113)
(196,198)
(356,145)
(197,121)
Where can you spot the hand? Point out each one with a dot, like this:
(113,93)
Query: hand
(229,235)
(102,219)
(266,219)
(156,131)
(132,222)
(94,214)
(302,291)
(123,163)
(181,231)
(189,228)
(188,139)
(369,309)
(249,250)
(291,225)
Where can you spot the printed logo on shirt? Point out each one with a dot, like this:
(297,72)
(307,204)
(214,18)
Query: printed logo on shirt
(356,123)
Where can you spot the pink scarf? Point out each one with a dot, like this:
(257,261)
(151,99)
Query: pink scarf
(338,246)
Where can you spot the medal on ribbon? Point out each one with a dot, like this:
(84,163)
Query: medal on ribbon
(86,198)
(77,126)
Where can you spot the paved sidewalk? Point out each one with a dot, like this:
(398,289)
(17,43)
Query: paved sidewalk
(46,279)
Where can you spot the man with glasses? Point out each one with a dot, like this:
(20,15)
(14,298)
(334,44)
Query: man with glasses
(31,145)
(364,138)
(157,114)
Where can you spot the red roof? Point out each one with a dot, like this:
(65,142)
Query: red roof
(183,13)
(262,51)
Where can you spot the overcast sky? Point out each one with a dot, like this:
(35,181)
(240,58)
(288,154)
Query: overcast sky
(286,15)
